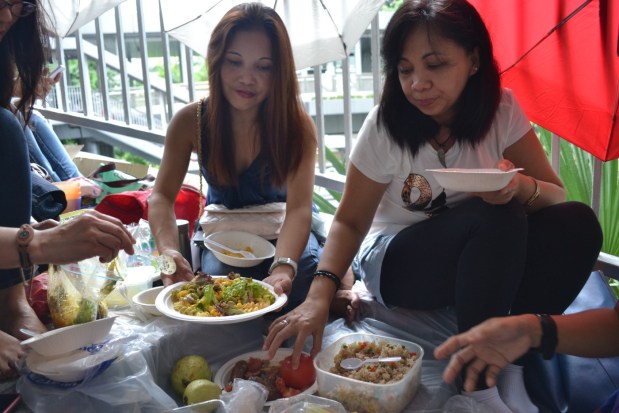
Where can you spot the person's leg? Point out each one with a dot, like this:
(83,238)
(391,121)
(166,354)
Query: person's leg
(471,256)
(52,148)
(563,244)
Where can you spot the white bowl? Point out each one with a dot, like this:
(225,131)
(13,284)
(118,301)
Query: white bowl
(473,180)
(240,240)
(67,339)
(146,300)
(71,367)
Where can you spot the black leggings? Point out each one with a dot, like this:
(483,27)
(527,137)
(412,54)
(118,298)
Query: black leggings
(489,260)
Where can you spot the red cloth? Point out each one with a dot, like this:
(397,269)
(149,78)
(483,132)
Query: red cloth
(131,206)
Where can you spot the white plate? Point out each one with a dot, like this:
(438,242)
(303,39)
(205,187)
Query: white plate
(221,377)
(473,180)
(165,306)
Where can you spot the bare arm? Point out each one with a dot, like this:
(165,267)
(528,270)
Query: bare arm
(351,222)
(497,342)
(180,141)
(88,235)
(297,224)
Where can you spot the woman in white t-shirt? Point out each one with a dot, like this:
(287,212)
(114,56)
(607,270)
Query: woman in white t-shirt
(417,245)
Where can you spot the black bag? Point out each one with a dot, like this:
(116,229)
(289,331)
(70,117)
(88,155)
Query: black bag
(48,201)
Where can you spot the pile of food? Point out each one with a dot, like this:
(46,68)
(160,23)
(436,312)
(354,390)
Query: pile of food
(236,254)
(207,296)
(280,379)
(379,373)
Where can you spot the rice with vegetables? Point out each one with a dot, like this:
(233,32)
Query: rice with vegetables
(207,296)
(379,373)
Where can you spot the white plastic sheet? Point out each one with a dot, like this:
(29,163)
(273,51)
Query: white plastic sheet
(66,16)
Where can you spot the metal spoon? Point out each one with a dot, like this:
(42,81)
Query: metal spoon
(245,254)
(354,363)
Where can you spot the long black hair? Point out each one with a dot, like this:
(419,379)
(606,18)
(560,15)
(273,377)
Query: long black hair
(458,21)
(22,56)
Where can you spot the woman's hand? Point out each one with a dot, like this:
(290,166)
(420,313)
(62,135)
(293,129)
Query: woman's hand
(281,282)
(506,194)
(184,272)
(307,319)
(488,347)
(89,234)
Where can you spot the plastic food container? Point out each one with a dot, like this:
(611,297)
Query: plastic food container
(240,240)
(364,397)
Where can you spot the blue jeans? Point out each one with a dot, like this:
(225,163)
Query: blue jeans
(305,271)
(47,150)
(15,184)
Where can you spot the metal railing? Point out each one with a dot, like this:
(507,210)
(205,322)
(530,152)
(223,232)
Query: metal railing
(113,85)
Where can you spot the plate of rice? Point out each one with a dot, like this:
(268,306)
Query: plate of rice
(218,299)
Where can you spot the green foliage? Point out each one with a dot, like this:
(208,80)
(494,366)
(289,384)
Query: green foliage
(328,206)
(129,157)
(113,77)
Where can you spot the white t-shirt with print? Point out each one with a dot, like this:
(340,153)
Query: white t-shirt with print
(410,185)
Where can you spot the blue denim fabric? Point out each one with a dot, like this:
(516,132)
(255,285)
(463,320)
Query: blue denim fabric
(305,271)
(15,185)
(47,150)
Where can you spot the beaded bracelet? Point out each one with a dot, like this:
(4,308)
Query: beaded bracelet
(336,280)
(549,340)
(535,195)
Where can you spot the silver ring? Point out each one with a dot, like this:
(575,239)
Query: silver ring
(284,323)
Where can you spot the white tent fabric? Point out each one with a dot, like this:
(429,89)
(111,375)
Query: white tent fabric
(320,30)
(66,16)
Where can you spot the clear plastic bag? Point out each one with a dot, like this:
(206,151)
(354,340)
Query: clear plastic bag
(76,291)
(306,403)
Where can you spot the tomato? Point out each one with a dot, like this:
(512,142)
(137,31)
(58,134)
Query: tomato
(301,378)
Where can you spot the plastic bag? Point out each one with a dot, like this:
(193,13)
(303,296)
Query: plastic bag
(306,403)
(246,397)
(76,291)
(125,386)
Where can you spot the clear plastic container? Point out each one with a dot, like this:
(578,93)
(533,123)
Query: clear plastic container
(364,397)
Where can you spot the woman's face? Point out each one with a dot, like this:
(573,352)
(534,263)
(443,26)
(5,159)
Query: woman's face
(433,73)
(6,18)
(246,72)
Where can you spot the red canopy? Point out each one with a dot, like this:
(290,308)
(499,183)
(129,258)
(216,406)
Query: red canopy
(561,58)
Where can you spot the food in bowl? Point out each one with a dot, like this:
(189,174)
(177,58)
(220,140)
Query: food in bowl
(366,396)
(380,373)
(239,240)
(236,254)
(274,375)
(207,296)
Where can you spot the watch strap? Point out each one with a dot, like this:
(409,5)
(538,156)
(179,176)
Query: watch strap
(24,236)
(284,261)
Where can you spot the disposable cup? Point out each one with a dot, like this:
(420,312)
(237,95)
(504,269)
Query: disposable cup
(73,194)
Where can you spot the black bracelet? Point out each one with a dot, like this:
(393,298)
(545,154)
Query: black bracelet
(550,339)
(336,280)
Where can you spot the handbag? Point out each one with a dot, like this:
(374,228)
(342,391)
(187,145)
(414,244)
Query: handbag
(264,220)
(131,206)
(114,181)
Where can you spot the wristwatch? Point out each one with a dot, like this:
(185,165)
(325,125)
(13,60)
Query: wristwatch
(284,261)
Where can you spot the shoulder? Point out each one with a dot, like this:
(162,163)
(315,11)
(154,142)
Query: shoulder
(185,120)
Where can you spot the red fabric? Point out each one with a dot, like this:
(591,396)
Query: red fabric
(131,206)
(568,82)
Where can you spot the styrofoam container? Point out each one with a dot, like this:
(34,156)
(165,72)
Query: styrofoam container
(240,240)
(146,300)
(361,396)
(473,180)
(67,339)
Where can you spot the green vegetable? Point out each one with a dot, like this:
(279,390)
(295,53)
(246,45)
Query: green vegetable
(236,292)
(208,298)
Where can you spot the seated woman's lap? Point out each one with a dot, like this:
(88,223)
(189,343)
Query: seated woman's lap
(471,256)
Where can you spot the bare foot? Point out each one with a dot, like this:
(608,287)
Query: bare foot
(10,352)
(17,313)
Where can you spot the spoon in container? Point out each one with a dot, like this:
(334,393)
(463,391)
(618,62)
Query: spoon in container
(354,363)
(245,254)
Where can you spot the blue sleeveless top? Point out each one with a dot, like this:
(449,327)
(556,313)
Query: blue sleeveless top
(254,187)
